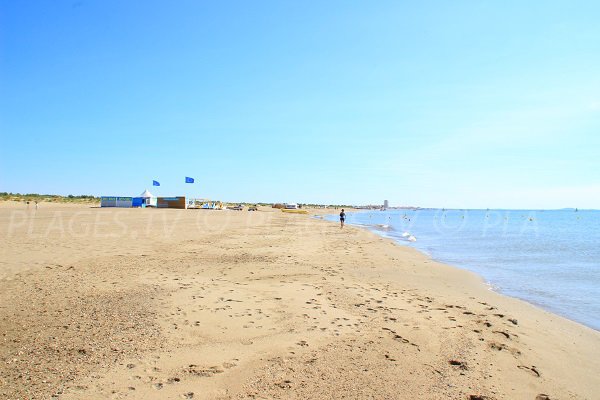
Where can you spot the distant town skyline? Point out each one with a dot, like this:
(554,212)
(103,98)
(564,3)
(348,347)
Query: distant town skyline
(439,104)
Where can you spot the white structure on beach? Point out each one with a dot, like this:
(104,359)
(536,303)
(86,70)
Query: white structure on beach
(386,204)
(148,199)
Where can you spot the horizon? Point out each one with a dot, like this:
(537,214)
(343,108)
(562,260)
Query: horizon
(390,207)
(457,106)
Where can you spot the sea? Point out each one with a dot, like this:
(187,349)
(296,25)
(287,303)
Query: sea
(550,258)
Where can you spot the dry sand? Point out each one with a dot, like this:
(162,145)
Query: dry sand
(169,304)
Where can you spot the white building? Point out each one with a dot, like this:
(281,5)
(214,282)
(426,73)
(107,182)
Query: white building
(148,199)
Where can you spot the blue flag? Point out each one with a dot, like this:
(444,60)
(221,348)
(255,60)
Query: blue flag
(189,180)
(155,183)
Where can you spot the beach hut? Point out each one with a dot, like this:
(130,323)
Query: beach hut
(148,199)
(137,202)
(108,201)
(171,202)
(114,201)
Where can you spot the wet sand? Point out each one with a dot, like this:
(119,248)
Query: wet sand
(168,304)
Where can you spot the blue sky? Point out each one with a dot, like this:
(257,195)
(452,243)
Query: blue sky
(438,103)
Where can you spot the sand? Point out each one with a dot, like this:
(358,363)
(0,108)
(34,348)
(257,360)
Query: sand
(169,304)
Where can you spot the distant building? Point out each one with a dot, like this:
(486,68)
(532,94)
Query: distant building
(386,204)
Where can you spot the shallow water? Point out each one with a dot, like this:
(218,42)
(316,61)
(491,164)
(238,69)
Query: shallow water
(548,258)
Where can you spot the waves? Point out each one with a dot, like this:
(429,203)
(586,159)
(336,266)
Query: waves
(548,258)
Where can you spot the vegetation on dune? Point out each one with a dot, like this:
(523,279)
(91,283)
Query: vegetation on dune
(52,198)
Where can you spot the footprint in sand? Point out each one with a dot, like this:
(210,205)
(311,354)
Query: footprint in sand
(533,370)
(502,346)
(460,364)
(196,370)
(503,333)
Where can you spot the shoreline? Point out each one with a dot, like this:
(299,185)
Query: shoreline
(489,284)
(226,304)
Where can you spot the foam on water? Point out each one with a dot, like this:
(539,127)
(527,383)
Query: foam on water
(548,258)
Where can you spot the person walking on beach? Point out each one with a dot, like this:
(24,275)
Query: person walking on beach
(342,218)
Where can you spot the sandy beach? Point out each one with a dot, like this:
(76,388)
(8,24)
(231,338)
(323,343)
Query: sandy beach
(169,304)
